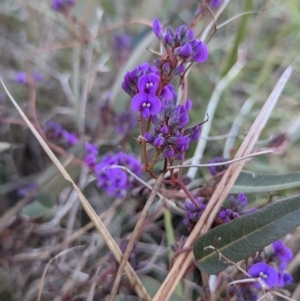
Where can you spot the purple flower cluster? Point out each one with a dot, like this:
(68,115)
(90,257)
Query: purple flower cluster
(237,207)
(116,181)
(216,169)
(62,5)
(170,137)
(193,212)
(149,85)
(55,131)
(272,273)
(181,47)
(269,273)
(142,83)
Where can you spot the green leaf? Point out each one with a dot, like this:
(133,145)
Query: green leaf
(244,236)
(252,183)
(41,206)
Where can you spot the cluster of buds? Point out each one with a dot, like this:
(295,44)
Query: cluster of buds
(237,207)
(170,138)
(55,131)
(116,181)
(180,48)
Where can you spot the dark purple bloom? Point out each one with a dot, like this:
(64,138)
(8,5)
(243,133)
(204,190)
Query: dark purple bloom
(150,138)
(62,5)
(169,153)
(148,83)
(54,130)
(215,3)
(115,181)
(283,277)
(90,160)
(146,103)
(121,42)
(21,78)
(184,51)
(188,105)
(91,149)
(70,138)
(265,272)
(216,169)
(158,142)
(166,93)
(200,52)
(169,38)
(281,251)
(193,212)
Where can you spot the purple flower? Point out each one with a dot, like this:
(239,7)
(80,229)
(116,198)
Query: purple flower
(54,130)
(215,3)
(185,51)
(282,252)
(91,149)
(158,142)
(265,272)
(90,160)
(216,169)
(70,138)
(121,42)
(62,5)
(21,78)
(193,213)
(146,103)
(200,52)
(283,277)
(148,83)
(115,181)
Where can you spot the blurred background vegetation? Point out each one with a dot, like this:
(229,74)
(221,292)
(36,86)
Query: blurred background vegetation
(82,57)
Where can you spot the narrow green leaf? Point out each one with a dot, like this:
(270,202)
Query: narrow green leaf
(244,236)
(252,182)
(41,206)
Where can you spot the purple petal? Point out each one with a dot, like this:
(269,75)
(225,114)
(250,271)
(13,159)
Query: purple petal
(185,51)
(200,52)
(166,93)
(157,28)
(146,113)
(137,101)
(159,142)
(155,104)
(150,138)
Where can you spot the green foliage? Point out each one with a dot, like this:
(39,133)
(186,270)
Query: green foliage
(254,183)
(246,235)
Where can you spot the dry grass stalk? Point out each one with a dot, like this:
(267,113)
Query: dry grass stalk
(222,190)
(112,245)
